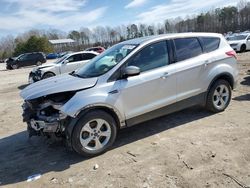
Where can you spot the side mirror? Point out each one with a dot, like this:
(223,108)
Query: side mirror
(131,71)
(65,62)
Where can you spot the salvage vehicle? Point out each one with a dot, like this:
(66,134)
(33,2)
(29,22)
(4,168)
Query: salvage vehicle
(66,64)
(240,42)
(27,59)
(145,78)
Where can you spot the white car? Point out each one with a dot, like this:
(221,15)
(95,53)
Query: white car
(240,42)
(130,83)
(67,63)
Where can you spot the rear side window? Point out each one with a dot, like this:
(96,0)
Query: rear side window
(210,43)
(187,48)
(88,56)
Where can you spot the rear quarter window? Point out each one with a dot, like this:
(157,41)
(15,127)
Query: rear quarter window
(186,48)
(210,43)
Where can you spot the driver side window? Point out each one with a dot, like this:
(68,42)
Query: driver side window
(151,57)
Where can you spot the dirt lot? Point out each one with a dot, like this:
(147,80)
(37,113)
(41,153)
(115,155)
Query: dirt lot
(191,148)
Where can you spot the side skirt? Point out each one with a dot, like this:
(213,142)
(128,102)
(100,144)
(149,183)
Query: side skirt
(186,103)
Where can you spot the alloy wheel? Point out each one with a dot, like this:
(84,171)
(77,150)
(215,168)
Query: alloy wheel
(95,134)
(221,96)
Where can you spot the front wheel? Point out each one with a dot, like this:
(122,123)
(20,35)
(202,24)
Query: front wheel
(48,75)
(94,133)
(14,66)
(243,48)
(219,96)
(38,63)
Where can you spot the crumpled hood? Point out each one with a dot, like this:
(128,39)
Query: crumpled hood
(45,65)
(56,84)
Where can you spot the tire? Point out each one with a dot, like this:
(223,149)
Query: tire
(87,126)
(14,66)
(219,96)
(48,75)
(38,63)
(243,48)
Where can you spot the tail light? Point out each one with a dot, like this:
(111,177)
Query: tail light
(231,54)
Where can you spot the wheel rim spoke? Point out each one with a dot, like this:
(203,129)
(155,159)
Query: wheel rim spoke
(85,142)
(98,144)
(100,123)
(105,133)
(87,128)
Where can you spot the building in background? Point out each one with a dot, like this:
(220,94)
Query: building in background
(61,45)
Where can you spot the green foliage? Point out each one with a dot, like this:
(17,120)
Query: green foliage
(33,44)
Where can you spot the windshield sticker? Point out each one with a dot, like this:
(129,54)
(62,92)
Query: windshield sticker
(128,47)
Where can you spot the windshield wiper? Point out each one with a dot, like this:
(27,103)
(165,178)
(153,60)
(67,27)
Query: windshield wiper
(73,73)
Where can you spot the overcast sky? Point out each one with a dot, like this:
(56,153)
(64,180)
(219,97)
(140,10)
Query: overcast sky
(17,16)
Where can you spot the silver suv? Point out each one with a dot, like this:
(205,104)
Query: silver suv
(131,82)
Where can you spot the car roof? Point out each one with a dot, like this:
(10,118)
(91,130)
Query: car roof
(169,36)
(82,52)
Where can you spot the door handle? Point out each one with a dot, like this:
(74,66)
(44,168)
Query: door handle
(165,75)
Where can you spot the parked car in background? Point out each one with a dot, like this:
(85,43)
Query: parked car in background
(52,56)
(67,63)
(27,59)
(146,78)
(61,54)
(240,42)
(98,49)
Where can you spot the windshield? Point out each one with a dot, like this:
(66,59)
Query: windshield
(237,37)
(106,61)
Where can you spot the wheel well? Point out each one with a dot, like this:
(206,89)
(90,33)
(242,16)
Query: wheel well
(224,76)
(243,45)
(105,109)
(49,72)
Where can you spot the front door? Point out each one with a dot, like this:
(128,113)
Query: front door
(71,63)
(155,87)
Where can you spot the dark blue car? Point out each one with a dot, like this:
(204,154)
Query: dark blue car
(52,56)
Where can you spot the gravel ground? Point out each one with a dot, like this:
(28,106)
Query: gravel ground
(191,148)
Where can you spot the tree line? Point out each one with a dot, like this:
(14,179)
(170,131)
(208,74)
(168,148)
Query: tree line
(219,20)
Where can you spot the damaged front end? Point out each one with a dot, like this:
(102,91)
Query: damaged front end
(43,115)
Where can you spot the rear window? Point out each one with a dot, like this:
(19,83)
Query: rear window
(187,48)
(210,43)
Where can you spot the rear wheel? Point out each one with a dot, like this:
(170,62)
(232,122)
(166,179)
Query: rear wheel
(219,96)
(94,133)
(48,75)
(243,48)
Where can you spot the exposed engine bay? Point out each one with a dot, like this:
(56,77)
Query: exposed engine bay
(43,116)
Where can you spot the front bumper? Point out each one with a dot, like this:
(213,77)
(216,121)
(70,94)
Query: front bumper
(34,77)
(39,123)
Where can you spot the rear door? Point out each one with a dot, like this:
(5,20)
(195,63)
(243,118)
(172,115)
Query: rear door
(190,65)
